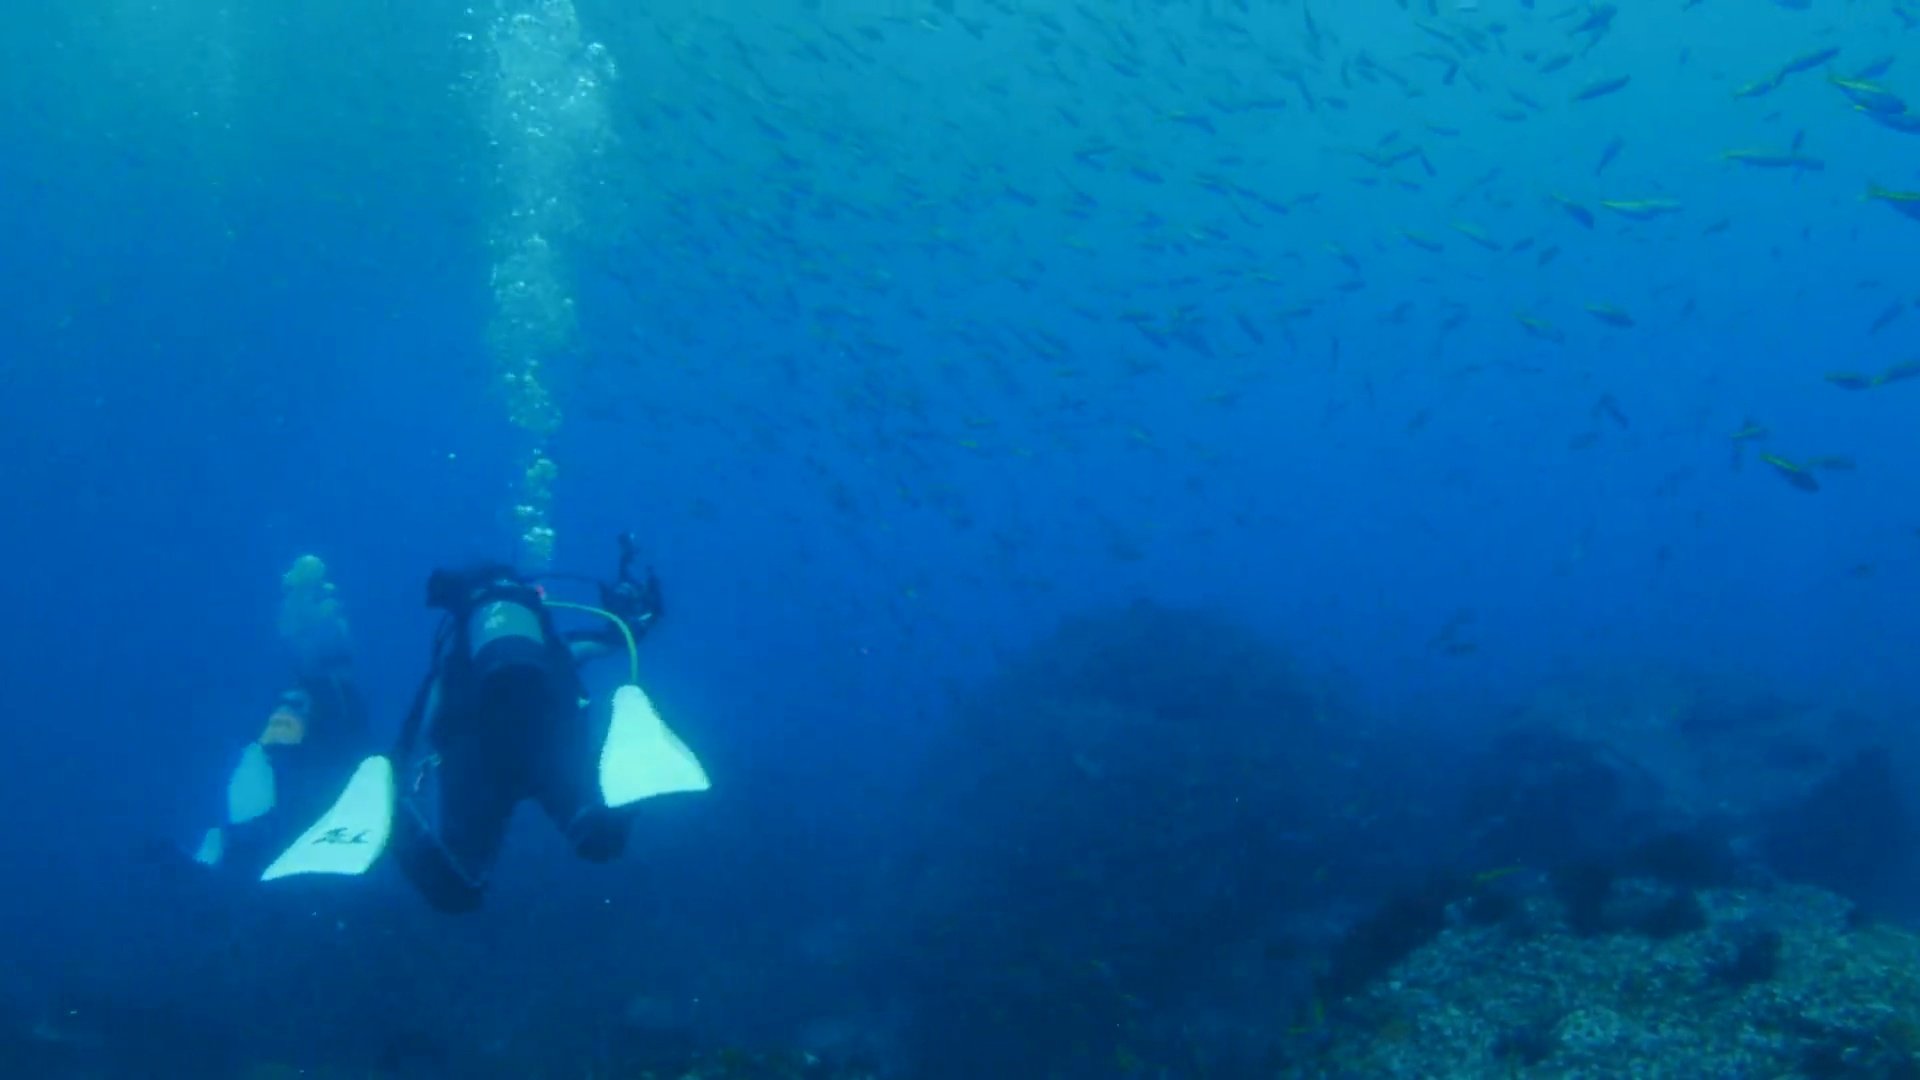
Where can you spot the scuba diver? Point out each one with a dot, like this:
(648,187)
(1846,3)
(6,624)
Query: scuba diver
(315,732)
(503,716)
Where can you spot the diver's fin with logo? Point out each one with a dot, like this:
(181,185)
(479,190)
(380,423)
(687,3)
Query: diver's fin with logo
(350,836)
(250,792)
(641,757)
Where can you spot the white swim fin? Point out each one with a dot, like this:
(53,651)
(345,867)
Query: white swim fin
(250,792)
(213,847)
(642,758)
(349,837)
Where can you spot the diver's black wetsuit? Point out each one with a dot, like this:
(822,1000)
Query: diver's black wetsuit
(502,717)
(308,774)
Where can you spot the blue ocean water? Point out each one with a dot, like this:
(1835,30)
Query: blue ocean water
(1469,356)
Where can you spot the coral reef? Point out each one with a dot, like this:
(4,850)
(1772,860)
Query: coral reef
(1116,832)
(1769,983)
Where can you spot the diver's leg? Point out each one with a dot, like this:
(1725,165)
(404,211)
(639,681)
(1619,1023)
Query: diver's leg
(455,802)
(565,774)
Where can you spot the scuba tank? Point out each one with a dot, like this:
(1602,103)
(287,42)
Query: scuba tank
(499,653)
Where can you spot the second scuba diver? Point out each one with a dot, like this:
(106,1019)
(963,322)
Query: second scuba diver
(314,735)
(503,716)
